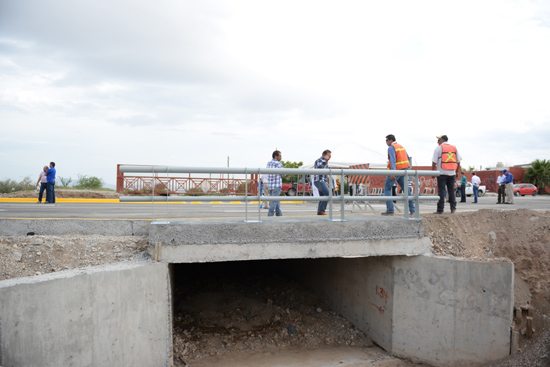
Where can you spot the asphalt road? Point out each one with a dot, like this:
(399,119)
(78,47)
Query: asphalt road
(188,211)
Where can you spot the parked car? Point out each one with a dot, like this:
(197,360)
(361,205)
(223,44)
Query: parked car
(294,189)
(525,189)
(470,190)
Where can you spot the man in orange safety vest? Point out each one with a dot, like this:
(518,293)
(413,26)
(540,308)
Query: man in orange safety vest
(398,159)
(447,161)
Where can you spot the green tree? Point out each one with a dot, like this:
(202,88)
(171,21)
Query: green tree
(289,164)
(539,174)
(88,183)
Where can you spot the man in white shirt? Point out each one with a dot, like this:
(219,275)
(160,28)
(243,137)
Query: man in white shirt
(476,181)
(501,188)
(43,181)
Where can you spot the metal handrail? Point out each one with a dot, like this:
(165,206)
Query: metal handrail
(287,171)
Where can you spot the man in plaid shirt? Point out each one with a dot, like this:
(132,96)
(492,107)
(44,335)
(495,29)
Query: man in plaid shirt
(274,184)
(320,181)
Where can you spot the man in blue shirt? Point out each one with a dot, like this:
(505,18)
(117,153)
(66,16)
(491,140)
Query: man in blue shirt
(320,181)
(274,184)
(50,185)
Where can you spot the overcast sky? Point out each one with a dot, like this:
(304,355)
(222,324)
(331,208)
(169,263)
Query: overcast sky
(93,83)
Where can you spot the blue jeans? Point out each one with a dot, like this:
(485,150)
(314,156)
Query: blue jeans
(50,192)
(274,206)
(323,191)
(387,192)
(476,189)
(42,188)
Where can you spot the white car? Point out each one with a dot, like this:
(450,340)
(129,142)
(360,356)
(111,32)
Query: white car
(470,190)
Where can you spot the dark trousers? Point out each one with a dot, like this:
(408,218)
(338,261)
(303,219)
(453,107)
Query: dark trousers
(445,182)
(42,188)
(463,193)
(50,192)
(501,193)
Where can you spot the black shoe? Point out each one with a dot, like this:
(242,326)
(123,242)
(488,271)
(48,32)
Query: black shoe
(438,212)
(386,213)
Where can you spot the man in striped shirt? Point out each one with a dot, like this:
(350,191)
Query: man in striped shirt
(320,181)
(274,184)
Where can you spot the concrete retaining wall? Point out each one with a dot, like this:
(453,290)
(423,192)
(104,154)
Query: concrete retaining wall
(116,315)
(447,312)
(457,312)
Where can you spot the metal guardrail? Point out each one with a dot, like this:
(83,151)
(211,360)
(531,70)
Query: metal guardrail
(285,171)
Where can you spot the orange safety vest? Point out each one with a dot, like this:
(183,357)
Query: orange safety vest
(448,157)
(401,157)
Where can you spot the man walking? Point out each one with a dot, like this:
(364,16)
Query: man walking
(43,181)
(274,184)
(509,184)
(320,181)
(501,189)
(476,181)
(398,159)
(446,160)
(50,186)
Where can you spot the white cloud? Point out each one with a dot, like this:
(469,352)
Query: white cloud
(94,83)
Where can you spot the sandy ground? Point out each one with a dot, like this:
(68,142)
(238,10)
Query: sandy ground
(247,323)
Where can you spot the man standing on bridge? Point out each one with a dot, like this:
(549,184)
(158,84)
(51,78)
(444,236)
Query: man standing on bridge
(446,160)
(320,181)
(398,159)
(274,184)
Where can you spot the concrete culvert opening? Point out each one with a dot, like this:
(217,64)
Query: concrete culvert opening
(244,308)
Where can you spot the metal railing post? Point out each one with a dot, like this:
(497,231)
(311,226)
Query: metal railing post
(246,194)
(406,194)
(330,187)
(342,204)
(260,192)
(416,197)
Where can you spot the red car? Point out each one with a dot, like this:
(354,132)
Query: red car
(525,189)
(294,189)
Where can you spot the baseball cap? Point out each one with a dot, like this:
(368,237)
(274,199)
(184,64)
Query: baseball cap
(444,137)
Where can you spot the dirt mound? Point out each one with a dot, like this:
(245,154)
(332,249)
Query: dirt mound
(33,255)
(67,194)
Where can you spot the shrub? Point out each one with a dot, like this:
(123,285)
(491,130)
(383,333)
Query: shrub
(194,192)
(9,185)
(88,183)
